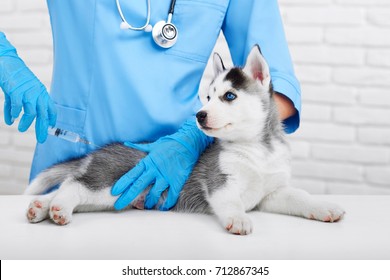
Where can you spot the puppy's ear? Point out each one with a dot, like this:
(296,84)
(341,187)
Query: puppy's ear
(256,66)
(218,64)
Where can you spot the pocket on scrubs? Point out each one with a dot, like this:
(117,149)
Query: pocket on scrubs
(199,23)
(70,119)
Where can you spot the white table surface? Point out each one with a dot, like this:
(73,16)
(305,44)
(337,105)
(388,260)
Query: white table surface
(364,233)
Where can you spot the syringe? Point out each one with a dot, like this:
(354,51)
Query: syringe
(67,135)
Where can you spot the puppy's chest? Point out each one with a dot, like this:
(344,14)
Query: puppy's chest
(252,162)
(254,170)
(249,161)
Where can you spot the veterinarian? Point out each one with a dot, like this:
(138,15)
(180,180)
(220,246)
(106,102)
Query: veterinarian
(114,80)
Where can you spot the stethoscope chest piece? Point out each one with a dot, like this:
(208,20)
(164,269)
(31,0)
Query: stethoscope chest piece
(165,34)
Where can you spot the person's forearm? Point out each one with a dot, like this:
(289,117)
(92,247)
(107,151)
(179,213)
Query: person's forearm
(285,106)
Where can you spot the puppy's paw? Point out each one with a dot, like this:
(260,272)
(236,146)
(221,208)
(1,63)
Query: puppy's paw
(38,211)
(60,215)
(326,212)
(239,224)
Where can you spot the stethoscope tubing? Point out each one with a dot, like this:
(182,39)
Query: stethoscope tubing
(130,26)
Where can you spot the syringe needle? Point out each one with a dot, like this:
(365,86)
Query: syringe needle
(81,140)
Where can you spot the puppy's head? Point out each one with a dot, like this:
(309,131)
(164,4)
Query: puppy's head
(237,103)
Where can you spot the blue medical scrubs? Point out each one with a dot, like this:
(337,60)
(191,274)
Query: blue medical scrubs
(113,85)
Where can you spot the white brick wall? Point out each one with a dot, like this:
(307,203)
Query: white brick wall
(341,52)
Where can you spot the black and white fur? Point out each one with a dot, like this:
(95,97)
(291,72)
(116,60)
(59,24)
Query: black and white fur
(247,168)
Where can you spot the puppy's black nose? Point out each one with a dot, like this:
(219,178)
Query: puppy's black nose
(201,116)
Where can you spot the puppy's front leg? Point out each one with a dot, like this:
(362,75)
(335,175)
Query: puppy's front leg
(297,202)
(229,209)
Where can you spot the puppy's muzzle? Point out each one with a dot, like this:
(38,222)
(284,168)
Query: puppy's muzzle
(201,116)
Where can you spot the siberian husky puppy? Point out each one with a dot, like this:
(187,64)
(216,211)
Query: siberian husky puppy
(246,168)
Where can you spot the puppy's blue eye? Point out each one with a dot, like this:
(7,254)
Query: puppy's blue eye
(229,96)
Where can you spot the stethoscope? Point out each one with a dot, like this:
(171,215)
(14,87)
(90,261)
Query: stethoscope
(163,33)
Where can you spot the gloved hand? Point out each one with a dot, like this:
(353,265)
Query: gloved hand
(22,89)
(168,164)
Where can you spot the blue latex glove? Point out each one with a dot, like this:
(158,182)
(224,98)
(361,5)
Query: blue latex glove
(168,165)
(22,89)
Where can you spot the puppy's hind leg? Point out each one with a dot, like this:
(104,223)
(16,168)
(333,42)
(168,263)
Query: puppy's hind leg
(291,201)
(74,197)
(65,200)
(38,210)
